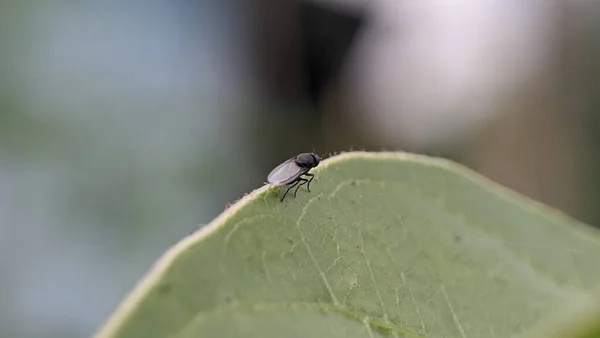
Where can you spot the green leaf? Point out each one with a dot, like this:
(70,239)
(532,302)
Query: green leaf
(385,245)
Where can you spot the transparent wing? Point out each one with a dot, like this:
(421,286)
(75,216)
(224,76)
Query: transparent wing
(285,173)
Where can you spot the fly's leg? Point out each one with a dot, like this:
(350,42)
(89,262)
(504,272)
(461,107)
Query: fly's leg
(309,180)
(288,189)
(304,181)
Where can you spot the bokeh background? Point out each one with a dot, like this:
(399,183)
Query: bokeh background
(125,125)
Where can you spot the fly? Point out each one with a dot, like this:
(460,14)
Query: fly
(294,171)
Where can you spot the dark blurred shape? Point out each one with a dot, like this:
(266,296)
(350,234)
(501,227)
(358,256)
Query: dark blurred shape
(301,47)
(327,37)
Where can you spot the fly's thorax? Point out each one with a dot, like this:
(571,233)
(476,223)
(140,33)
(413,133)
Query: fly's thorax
(307,160)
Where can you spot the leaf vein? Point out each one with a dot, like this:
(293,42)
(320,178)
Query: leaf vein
(310,253)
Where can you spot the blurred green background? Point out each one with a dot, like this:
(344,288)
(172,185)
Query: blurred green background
(123,126)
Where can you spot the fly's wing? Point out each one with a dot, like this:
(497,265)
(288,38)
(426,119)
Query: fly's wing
(285,173)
